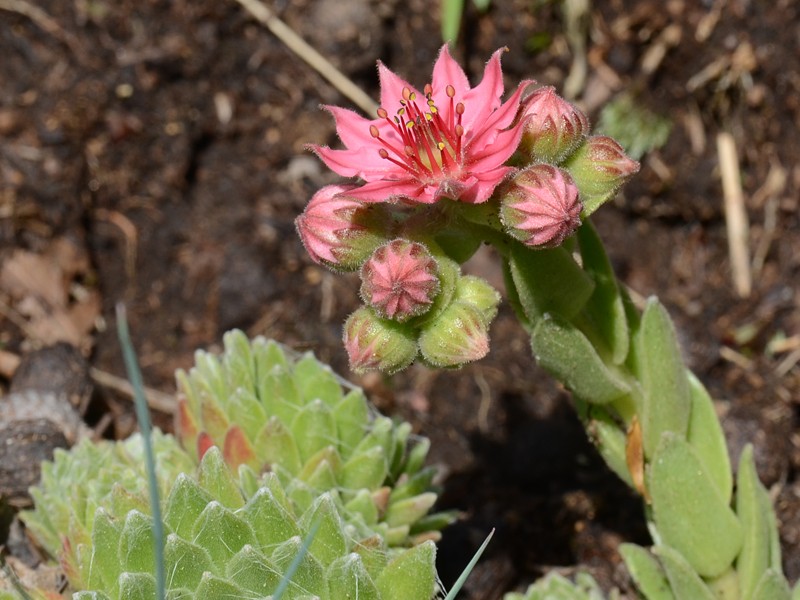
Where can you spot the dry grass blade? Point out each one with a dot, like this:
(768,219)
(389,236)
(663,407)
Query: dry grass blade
(313,58)
(735,215)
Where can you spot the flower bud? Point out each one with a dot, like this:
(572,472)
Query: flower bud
(460,335)
(554,127)
(477,292)
(400,280)
(373,343)
(599,167)
(541,206)
(338,231)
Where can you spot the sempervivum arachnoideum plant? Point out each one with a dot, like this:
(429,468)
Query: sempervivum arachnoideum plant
(228,537)
(107,475)
(293,416)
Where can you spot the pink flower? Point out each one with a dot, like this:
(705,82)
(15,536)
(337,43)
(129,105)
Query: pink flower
(399,280)
(450,141)
(338,230)
(541,208)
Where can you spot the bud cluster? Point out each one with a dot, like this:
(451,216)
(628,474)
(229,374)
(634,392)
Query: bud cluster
(528,168)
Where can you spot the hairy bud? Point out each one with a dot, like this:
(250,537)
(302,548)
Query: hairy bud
(541,207)
(553,128)
(379,344)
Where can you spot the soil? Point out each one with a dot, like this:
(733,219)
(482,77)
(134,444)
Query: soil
(153,153)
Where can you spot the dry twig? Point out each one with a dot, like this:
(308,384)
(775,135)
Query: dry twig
(736,220)
(313,58)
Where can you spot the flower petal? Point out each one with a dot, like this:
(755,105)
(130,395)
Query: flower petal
(498,152)
(498,120)
(446,72)
(484,185)
(363,162)
(392,88)
(352,128)
(385,190)
(485,97)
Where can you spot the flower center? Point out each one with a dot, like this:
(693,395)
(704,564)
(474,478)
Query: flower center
(430,141)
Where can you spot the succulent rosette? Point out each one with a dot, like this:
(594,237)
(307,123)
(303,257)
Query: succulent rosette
(224,537)
(449,141)
(293,416)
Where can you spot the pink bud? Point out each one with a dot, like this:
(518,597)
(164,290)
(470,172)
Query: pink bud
(541,206)
(554,127)
(399,280)
(338,231)
(599,167)
(373,343)
(458,336)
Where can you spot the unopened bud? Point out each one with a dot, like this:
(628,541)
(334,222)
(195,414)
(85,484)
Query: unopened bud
(400,280)
(340,232)
(460,335)
(554,127)
(599,167)
(541,206)
(477,292)
(378,344)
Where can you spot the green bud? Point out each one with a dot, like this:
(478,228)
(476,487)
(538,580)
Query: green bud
(460,335)
(379,344)
(476,291)
(599,167)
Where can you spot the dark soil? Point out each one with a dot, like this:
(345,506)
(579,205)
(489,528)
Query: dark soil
(162,143)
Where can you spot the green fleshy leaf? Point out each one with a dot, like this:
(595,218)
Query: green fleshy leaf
(363,504)
(270,520)
(605,307)
(308,579)
(754,559)
(405,512)
(352,420)
(565,352)
(105,553)
(707,438)
(683,579)
(137,586)
(380,434)
(252,571)
(666,402)
(412,574)
(216,477)
(185,503)
(278,392)
(417,454)
(329,542)
(136,544)
(397,458)
(239,360)
(214,588)
(772,586)
(185,563)
(364,470)
(548,281)
(268,354)
(406,487)
(348,578)
(726,585)
(246,411)
(610,440)
(93,595)
(373,553)
(221,533)
(248,480)
(646,572)
(275,445)
(700,525)
(316,381)
(314,428)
